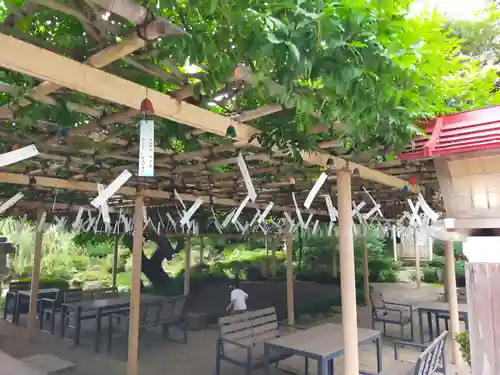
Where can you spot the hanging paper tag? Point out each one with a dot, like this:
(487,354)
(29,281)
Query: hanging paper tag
(356,209)
(111,189)
(254,219)
(41,223)
(330,228)
(374,202)
(78,220)
(18,155)
(12,201)
(246,178)
(147,148)
(265,213)
(104,207)
(228,218)
(427,209)
(176,194)
(315,227)
(312,194)
(299,215)
(240,208)
(367,215)
(332,211)
(187,216)
(414,210)
(308,221)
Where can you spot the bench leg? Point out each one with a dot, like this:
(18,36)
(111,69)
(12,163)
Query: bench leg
(217,360)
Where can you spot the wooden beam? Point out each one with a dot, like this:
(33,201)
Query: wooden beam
(17,55)
(54,183)
(336,163)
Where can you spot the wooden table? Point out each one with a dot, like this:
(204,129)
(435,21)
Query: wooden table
(26,295)
(322,343)
(13,366)
(96,309)
(435,308)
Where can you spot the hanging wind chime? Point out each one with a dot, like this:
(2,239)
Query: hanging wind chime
(146,140)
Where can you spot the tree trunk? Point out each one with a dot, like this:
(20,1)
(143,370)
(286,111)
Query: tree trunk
(153,267)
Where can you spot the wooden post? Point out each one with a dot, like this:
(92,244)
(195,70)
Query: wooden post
(273,262)
(135,295)
(483,287)
(450,281)
(32,328)
(289,278)
(417,256)
(394,243)
(202,247)
(366,271)
(335,268)
(187,258)
(115,260)
(347,274)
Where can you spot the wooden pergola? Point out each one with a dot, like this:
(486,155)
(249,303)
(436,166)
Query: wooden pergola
(74,157)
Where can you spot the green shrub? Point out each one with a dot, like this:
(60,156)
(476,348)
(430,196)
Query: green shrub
(438,249)
(430,274)
(47,282)
(437,262)
(464,342)
(100,250)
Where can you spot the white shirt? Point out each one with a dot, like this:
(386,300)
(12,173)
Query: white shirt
(239,297)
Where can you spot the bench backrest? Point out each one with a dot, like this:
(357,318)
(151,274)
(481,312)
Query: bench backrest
(173,310)
(432,359)
(249,328)
(89,294)
(14,286)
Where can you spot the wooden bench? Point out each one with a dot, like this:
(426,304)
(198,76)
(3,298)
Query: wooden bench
(391,313)
(430,361)
(163,312)
(11,299)
(242,337)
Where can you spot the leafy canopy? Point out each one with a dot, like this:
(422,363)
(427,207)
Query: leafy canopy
(365,64)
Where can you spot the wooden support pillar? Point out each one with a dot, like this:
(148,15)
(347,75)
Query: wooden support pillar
(273,262)
(366,271)
(187,265)
(335,267)
(417,257)
(202,248)
(394,243)
(135,295)
(289,278)
(115,260)
(450,281)
(347,274)
(32,328)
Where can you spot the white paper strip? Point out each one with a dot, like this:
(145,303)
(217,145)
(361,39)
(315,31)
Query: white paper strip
(254,219)
(308,221)
(265,213)
(170,220)
(104,206)
(312,194)
(332,211)
(240,208)
(41,223)
(246,177)
(414,210)
(374,202)
(433,215)
(357,208)
(299,215)
(78,221)
(111,189)
(147,148)
(187,216)
(228,218)
(367,215)
(262,227)
(12,201)
(330,228)
(176,194)
(18,155)
(315,227)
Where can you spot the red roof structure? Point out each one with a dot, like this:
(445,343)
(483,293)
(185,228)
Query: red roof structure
(460,132)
